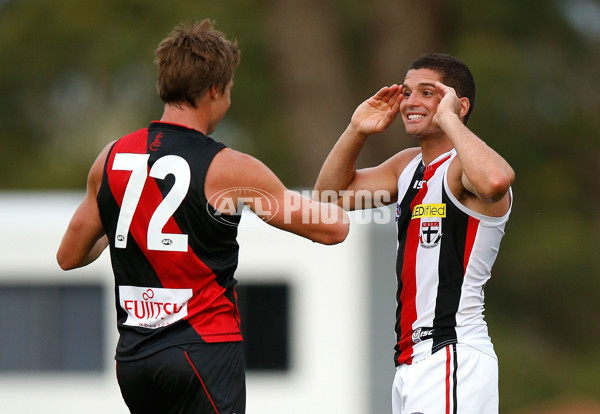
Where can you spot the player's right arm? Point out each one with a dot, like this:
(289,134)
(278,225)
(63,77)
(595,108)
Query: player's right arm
(338,175)
(289,210)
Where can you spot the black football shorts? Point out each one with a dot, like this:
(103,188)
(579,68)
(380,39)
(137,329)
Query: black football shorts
(187,379)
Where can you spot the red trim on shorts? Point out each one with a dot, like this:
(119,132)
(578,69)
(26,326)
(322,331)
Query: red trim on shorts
(201,382)
(448,357)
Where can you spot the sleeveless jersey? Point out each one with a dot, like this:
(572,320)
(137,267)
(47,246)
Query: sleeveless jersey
(173,255)
(445,255)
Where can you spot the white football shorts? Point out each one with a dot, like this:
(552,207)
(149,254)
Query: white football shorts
(457,379)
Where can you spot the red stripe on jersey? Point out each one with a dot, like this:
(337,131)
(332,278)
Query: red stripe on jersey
(409,286)
(472,228)
(209,311)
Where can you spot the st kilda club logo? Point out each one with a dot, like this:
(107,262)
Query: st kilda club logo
(431,233)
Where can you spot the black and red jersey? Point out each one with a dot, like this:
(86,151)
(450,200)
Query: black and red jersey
(172,254)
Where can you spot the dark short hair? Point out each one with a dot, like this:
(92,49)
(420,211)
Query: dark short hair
(453,72)
(193,58)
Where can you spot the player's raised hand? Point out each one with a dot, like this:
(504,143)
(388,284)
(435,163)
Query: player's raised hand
(450,103)
(378,112)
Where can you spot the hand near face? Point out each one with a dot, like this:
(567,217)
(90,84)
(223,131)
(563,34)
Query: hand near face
(450,103)
(378,112)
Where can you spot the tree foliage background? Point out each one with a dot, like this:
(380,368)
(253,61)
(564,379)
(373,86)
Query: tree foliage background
(75,75)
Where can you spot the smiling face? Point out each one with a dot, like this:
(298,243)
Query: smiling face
(420,101)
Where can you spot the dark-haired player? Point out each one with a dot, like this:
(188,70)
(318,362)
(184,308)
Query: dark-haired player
(454,199)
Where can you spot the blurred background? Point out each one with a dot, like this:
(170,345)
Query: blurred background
(76,75)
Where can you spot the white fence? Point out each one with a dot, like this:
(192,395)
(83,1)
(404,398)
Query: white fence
(341,311)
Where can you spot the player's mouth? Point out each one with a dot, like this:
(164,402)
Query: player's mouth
(414,117)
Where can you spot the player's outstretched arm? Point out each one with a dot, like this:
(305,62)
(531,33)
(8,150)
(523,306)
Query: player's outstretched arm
(84,239)
(255,185)
(338,172)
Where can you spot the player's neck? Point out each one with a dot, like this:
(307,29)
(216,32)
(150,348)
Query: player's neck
(186,116)
(432,147)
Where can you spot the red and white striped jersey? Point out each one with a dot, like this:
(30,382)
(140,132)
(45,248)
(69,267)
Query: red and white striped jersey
(445,256)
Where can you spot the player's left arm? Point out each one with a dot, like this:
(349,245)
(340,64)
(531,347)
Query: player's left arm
(84,239)
(478,176)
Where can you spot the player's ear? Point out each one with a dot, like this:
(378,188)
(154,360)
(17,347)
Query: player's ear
(213,91)
(465,104)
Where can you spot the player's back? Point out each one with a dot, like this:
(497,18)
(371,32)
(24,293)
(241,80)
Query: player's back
(172,256)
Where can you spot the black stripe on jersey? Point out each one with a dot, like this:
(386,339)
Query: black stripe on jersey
(402,223)
(451,272)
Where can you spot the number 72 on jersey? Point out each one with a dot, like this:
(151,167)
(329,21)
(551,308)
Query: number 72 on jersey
(138,165)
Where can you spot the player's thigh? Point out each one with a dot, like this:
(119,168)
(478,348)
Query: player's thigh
(421,386)
(136,385)
(476,382)
(198,378)
(219,378)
